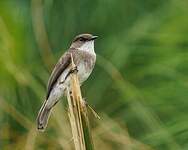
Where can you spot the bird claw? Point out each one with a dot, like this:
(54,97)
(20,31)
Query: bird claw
(74,69)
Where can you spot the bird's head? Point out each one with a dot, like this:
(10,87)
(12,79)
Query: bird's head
(84,42)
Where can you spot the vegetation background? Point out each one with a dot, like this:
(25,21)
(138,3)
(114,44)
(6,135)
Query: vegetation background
(139,86)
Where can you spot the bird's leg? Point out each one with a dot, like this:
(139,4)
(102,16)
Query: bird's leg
(74,69)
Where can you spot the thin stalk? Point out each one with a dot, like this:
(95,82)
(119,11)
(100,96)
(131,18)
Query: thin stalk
(78,115)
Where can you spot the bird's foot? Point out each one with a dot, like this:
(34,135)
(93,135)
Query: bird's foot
(74,69)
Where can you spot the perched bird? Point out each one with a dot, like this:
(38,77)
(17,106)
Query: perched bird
(82,51)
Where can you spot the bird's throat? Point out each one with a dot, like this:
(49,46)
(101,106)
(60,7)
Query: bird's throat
(88,47)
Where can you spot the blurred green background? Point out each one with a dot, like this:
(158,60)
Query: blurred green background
(139,85)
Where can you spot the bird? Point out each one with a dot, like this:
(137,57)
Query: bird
(84,56)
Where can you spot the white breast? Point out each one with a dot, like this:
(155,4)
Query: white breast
(83,72)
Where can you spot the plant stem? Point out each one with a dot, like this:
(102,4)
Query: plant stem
(78,115)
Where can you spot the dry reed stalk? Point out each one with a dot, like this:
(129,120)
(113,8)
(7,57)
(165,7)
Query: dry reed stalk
(78,114)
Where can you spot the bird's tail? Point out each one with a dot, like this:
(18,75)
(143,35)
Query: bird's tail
(43,116)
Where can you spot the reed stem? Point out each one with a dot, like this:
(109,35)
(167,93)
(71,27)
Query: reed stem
(78,114)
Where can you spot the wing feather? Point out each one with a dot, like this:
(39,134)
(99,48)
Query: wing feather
(61,65)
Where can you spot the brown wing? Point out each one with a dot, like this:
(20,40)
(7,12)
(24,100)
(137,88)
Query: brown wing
(62,64)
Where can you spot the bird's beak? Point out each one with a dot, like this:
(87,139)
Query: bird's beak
(94,37)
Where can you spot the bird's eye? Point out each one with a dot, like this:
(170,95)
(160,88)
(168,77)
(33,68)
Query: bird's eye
(82,39)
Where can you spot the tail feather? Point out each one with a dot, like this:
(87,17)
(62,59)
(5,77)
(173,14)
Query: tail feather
(43,116)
